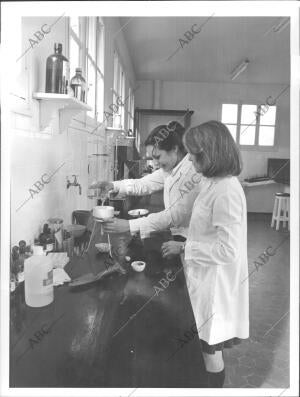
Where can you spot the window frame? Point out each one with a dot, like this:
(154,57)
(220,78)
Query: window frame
(130,109)
(255,146)
(119,86)
(84,56)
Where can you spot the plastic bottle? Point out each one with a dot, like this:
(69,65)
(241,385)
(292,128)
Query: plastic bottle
(38,279)
(78,85)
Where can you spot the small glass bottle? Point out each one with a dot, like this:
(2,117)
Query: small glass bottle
(78,85)
(57,71)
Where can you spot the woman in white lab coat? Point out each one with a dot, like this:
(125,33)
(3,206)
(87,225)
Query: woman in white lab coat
(215,252)
(176,176)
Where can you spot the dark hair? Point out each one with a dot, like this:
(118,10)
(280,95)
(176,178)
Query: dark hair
(214,148)
(167,137)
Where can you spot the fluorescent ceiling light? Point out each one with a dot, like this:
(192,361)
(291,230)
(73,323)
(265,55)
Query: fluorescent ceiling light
(239,69)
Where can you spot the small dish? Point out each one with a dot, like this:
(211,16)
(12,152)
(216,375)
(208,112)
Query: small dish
(138,212)
(102,247)
(138,266)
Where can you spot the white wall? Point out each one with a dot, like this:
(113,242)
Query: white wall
(205,99)
(37,152)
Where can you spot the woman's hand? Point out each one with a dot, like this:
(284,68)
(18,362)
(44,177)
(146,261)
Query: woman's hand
(171,248)
(116,226)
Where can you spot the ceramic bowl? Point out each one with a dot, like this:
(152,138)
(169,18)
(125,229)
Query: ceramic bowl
(138,266)
(103,212)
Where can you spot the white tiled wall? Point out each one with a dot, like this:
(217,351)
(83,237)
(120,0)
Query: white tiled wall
(35,153)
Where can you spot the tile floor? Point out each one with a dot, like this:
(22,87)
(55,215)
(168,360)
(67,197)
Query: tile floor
(263,360)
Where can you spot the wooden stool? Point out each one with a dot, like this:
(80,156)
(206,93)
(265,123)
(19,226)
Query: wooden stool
(281,205)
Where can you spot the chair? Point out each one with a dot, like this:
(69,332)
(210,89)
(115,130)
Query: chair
(281,210)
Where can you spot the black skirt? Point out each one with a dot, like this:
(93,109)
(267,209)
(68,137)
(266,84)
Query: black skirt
(227,344)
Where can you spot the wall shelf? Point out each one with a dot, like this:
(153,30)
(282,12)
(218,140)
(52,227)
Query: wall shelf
(67,107)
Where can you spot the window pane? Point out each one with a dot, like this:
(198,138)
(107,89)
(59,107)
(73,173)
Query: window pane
(92,38)
(268,115)
(229,113)
(100,44)
(122,108)
(116,72)
(247,135)
(100,98)
(74,25)
(249,114)
(91,88)
(74,56)
(266,136)
(232,129)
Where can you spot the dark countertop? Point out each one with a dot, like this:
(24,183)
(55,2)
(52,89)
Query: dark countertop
(77,341)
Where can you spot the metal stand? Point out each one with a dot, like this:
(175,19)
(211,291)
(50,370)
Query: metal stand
(92,234)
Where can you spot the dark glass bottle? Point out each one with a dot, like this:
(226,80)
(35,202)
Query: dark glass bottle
(78,85)
(57,71)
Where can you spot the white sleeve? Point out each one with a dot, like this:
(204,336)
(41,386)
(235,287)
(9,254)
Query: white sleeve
(142,186)
(227,220)
(177,215)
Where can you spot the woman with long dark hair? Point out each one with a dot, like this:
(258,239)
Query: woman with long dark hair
(175,172)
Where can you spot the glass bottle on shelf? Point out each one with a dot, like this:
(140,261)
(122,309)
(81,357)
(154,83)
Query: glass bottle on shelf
(57,71)
(78,85)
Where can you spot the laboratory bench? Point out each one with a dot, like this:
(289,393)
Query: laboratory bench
(121,331)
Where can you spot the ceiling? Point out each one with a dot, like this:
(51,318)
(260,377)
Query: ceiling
(211,55)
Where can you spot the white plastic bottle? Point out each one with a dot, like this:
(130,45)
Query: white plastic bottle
(38,279)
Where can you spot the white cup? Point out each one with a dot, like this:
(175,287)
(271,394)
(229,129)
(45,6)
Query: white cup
(103,212)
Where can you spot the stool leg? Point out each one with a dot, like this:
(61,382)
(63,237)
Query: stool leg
(284,211)
(274,211)
(288,212)
(278,217)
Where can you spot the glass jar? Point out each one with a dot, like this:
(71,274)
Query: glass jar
(98,170)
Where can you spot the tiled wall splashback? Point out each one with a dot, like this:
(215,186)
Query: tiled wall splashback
(34,160)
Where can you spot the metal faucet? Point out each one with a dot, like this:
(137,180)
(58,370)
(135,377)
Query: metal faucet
(74,183)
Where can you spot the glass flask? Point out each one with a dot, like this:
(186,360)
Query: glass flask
(78,85)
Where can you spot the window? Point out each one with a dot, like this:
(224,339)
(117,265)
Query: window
(87,52)
(250,125)
(118,93)
(95,66)
(130,111)
(76,45)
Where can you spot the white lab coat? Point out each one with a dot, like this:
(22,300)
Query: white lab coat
(215,261)
(181,188)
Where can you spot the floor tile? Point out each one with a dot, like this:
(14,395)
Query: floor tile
(263,360)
